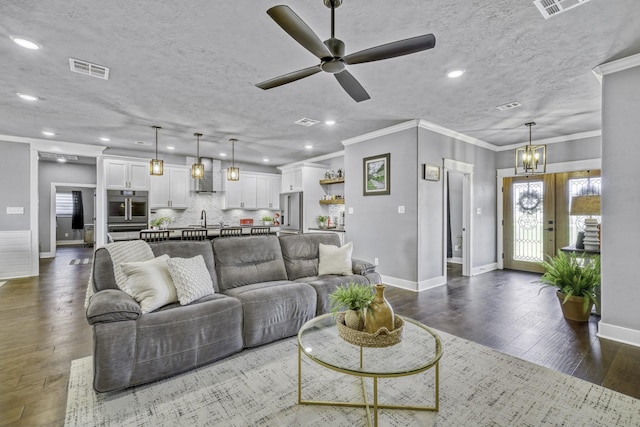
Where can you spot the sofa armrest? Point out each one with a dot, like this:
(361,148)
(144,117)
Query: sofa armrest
(362,267)
(112,305)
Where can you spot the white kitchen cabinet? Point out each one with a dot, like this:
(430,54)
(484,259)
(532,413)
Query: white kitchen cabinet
(170,190)
(253,191)
(123,174)
(292,180)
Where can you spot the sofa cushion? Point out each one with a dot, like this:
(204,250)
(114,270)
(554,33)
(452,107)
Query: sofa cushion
(189,249)
(335,260)
(112,305)
(106,266)
(242,261)
(301,251)
(191,278)
(149,283)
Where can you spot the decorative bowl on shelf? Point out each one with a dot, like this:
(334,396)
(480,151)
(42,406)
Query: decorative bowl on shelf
(381,338)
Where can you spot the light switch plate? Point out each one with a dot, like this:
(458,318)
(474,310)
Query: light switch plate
(350,211)
(400,209)
(15,210)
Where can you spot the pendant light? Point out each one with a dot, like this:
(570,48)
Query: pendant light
(197,169)
(531,159)
(233,173)
(156,166)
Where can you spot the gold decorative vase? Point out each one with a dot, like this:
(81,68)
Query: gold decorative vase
(380,313)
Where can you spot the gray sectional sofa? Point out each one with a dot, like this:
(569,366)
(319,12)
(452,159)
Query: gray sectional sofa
(266,288)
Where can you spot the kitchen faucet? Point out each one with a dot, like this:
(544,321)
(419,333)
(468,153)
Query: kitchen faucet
(203,218)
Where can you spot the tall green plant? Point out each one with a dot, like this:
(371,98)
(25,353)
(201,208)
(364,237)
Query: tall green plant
(354,296)
(573,276)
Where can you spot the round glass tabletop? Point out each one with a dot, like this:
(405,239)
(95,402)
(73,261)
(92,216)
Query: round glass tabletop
(419,350)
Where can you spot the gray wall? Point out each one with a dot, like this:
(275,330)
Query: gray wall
(58,172)
(621,201)
(578,149)
(14,185)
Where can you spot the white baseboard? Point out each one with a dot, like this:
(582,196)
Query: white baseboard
(47,255)
(484,268)
(455,260)
(618,333)
(413,286)
(69,242)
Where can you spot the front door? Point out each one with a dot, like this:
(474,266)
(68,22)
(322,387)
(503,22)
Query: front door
(529,221)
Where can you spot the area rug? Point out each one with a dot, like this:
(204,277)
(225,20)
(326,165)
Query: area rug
(478,387)
(80,261)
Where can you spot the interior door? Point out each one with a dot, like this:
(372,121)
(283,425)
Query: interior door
(529,221)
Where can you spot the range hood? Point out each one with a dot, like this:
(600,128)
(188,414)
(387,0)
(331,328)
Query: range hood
(212,181)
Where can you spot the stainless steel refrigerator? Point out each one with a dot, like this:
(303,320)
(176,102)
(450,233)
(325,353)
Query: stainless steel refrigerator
(291,219)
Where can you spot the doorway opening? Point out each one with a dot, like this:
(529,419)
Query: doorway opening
(458,190)
(62,231)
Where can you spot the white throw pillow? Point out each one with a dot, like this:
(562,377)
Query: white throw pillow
(191,278)
(335,260)
(149,283)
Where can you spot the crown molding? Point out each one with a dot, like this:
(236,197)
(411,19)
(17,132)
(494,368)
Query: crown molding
(615,66)
(457,135)
(381,132)
(61,147)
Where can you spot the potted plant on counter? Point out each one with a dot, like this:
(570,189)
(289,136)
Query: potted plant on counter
(577,280)
(355,298)
(321,220)
(161,222)
(267,220)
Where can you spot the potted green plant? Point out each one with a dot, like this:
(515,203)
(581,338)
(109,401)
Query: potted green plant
(267,220)
(160,222)
(577,280)
(355,298)
(321,220)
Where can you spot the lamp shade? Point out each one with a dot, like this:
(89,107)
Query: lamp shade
(585,205)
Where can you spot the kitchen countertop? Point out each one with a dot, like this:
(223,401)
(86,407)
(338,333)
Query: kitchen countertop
(340,230)
(176,233)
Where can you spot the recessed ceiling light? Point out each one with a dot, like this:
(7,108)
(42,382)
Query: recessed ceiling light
(27,97)
(61,160)
(170,147)
(223,154)
(308,146)
(265,160)
(454,74)
(105,139)
(28,44)
(48,133)
(330,122)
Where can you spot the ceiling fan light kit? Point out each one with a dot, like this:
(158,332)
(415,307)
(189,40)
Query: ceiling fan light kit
(331,52)
(531,159)
(156,166)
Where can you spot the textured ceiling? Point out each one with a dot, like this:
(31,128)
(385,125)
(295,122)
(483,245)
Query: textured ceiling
(192,66)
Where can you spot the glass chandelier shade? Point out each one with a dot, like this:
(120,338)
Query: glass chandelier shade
(197,169)
(531,159)
(233,173)
(156,166)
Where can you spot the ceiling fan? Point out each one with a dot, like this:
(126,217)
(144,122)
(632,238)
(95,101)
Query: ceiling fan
(331,51)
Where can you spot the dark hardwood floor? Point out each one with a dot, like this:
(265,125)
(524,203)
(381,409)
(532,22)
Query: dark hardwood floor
(44,329)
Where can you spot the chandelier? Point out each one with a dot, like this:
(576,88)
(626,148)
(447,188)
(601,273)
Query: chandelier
(197,169)
(156,166)
(531,159)
(233,173)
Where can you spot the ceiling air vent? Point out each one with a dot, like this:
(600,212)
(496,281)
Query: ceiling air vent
(508,106)
(306,122)
(89,69)
(549,8)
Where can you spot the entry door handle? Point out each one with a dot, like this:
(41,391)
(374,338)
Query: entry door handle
(550,229)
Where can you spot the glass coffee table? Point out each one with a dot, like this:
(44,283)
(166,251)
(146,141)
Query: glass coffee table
(419,351)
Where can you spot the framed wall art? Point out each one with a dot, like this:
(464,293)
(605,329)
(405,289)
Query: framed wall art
(431,172)
(377,175)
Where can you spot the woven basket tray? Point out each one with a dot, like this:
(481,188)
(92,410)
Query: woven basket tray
(382,338)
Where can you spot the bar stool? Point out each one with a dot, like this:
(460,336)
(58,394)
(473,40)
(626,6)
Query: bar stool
(231,232)
(194,234)
(260,231)
(154,235)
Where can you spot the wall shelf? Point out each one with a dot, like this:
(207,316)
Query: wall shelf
(332,181)
(332,202)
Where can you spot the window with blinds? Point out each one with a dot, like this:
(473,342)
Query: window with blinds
(64,204)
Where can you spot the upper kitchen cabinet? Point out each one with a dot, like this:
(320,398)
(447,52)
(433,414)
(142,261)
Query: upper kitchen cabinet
(302,177)
(170,190)
(122,174)
(254,190)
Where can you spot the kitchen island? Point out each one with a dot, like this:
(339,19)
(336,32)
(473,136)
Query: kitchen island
(176,233)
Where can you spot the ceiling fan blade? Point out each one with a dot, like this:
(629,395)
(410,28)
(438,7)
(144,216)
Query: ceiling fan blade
(392,50)
(352,86)
(299,30)
(288,78)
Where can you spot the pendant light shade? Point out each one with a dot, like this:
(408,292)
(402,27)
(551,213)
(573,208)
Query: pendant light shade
(156,166)
(197,169)
(233,173)
(531,159)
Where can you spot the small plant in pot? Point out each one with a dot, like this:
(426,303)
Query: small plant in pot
(321,220)
(576,280)
(355,298)
(267,220)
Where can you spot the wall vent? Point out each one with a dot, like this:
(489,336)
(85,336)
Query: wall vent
(549,8)
(306,122)
(89,69)
(509,106)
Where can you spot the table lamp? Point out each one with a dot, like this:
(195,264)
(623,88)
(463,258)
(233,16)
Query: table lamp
(588,206)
